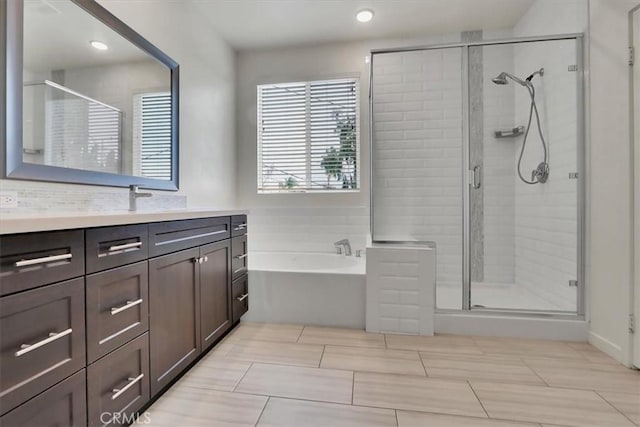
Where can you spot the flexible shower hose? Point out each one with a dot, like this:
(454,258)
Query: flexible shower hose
(532,109)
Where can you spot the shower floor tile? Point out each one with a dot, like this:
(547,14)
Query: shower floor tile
(295,375)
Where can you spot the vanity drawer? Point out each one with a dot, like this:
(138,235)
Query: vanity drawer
(118,384)
(239,256)
(42,340)
(167,237)
(240,297)
(35,259)
(64,404)
(109,247)
(238,225)
(117,308)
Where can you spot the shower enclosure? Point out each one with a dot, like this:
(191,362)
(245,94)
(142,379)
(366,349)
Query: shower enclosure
(477,149)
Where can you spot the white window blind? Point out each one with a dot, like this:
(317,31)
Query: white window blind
(152,130)
(104,129)
(308,136)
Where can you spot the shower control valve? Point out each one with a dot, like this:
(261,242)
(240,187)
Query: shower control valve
(541,173)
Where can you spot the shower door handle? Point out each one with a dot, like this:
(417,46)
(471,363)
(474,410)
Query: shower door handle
(476,177)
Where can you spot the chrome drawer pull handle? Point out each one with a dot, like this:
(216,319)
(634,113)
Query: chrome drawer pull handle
(124,246)
(239,270)
(240,226)
(240,256)
(53,336)
(118,391)
(243,297)
(128,305)
(43,260)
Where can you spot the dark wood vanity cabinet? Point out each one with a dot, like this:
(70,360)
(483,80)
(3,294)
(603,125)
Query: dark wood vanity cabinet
(96,322)
(175,315)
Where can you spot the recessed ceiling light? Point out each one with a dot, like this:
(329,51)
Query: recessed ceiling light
(365,15)
(99,45)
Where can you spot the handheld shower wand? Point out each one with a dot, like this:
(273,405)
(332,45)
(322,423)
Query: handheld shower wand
(541,173)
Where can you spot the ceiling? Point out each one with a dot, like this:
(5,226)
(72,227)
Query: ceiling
(253,24)
(57,35)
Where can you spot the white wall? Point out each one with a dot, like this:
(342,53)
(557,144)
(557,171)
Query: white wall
(610,226)
(207,115)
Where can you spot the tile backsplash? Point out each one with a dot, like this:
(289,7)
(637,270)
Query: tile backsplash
(41,197)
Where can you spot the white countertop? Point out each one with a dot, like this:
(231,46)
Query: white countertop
(45,221)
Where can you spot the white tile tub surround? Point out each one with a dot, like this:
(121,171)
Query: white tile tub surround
(306,288)
(400,289)
(312,229)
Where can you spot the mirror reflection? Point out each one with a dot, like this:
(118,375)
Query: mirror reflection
(91,99)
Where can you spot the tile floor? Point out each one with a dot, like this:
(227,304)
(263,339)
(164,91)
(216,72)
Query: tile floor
(290,375)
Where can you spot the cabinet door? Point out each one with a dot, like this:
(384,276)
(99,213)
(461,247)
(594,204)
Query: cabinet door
(35,259)
(240,297)
(117,308)
(64,404)
(174,317)
(118,384)
(41,340)
(215,283)
(239,255)
(109,247)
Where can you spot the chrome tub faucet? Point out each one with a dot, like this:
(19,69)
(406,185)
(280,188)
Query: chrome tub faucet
(343,243)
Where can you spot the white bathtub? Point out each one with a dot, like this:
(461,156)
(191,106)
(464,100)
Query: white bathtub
(306,288)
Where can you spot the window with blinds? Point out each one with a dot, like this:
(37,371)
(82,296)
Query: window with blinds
(308,136)
(152,135)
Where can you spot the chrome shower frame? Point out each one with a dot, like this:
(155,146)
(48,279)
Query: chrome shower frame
(467,172)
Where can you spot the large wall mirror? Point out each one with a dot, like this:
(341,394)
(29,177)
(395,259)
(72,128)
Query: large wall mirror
(88,99)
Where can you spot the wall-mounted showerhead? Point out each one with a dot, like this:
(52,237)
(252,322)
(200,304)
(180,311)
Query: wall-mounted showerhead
(501,79)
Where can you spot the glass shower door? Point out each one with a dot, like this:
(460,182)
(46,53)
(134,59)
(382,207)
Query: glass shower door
(523,236)
(417,148)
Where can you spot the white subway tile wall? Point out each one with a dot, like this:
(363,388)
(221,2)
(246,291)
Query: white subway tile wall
(417,153)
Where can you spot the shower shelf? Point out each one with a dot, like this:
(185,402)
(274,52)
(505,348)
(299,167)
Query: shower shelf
(511,133)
